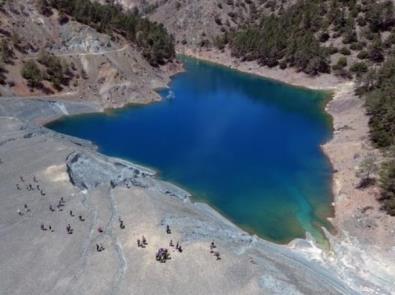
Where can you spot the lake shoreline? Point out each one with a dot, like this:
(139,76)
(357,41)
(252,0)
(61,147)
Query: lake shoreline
(306,253)
(73,168)
(215,184)
(359,225)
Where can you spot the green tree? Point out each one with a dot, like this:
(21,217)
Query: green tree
(359,68)
(32,73)
(6,52)
(387,184)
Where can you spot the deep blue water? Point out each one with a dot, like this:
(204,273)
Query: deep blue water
(250,147)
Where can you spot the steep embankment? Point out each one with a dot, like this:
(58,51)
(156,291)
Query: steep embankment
(47,53)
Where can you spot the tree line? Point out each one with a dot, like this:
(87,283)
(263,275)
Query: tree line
(379,90)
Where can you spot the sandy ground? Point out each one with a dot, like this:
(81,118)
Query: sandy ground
(101,190)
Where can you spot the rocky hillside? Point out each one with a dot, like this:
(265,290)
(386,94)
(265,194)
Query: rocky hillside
(46,51)
(196,23)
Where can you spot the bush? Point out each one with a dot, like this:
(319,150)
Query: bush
(387,184)
(283,65)
(356,46)
(324,37)
(44,7)
(332,50)
(57,71)
(32,73)
(361,21)
(6,52)
(376,55)
(350,37)
(363,54)
(342,62)
(359,68)
(345,51)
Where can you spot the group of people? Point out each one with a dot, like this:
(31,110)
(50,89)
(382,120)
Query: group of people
(178,246)
(69,229)
(215,253)
(59,206)
(29,186)
(26,209)
(44,228)
(99,247)
(163,255)
(142,243)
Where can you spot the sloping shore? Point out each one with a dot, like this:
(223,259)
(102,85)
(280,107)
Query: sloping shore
(288,76)
(365,239)
(102,189)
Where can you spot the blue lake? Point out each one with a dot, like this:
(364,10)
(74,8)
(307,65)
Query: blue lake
(248,146)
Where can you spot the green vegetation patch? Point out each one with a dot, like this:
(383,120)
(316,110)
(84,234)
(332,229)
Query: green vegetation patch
(379,88)
(307,33)
(287,38)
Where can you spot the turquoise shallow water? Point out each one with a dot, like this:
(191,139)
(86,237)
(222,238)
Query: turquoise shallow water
(250,147)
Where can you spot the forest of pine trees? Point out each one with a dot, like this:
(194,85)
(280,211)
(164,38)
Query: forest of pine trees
(286,40)
(297,36)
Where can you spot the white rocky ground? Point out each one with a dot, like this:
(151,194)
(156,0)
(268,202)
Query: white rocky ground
(101,189)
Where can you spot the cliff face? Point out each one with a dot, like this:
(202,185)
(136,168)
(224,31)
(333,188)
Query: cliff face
(105,69)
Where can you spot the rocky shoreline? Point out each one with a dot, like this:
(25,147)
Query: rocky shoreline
(103,189)
(365,235)
(100,188)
